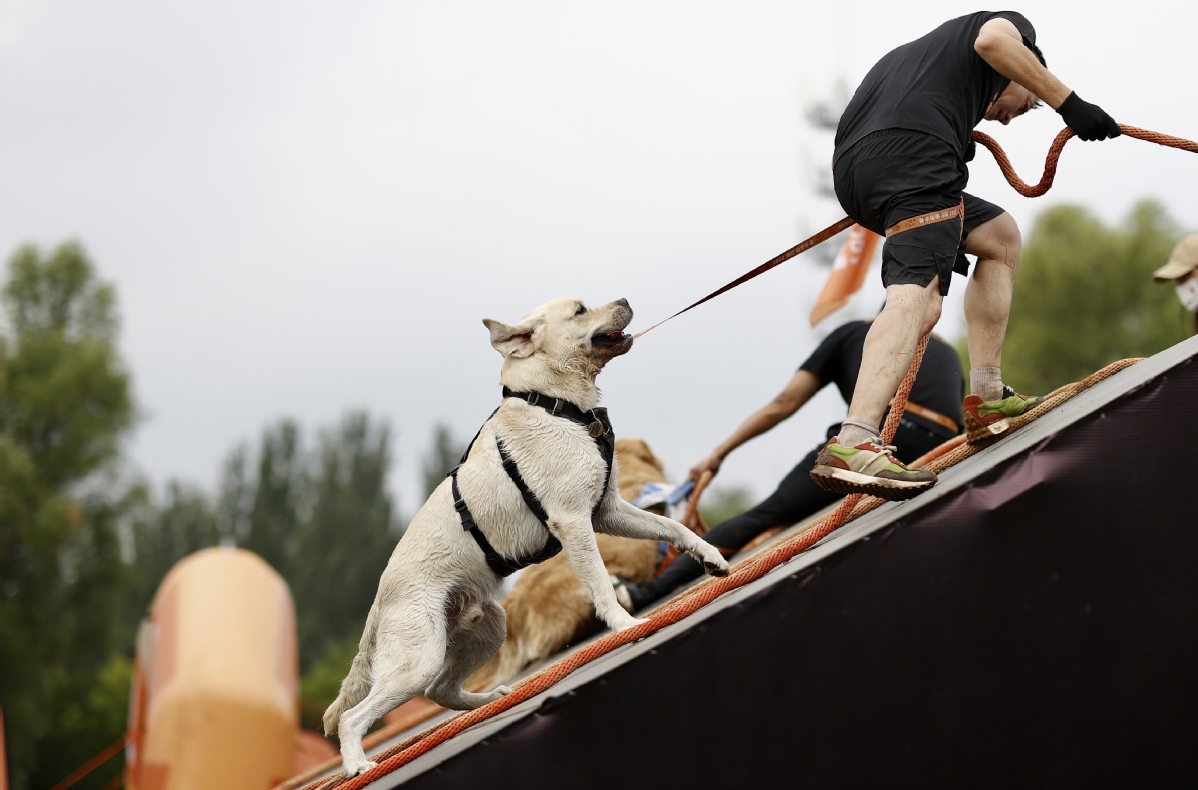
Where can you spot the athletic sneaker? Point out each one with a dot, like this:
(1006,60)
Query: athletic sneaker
(985,420)
(868,468)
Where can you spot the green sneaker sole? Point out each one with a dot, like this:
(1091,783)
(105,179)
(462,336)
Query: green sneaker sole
(842,481)
(979,433)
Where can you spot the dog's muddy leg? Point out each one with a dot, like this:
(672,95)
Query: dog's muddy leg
(399,675)
(621,519)
(479,634)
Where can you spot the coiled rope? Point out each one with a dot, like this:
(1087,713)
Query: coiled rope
(755,567)
(1054,153)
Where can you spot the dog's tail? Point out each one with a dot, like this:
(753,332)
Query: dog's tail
(356,685)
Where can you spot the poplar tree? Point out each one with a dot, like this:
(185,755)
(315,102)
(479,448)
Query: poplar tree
(65,406)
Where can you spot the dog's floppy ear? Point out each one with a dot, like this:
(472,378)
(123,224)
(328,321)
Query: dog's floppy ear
(512,341)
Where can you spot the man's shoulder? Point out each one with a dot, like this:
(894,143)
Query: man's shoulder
(964,28)
(1021,22)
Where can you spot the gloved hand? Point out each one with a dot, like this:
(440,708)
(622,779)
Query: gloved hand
(1087,120)
(971,150)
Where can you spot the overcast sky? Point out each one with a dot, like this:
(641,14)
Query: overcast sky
(307,207)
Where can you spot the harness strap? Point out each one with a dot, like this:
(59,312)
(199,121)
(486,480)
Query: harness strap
(931,218)
(598,428)
(501,565)
(530,499)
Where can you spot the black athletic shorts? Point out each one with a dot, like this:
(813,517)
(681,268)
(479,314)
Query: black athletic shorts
(895,174)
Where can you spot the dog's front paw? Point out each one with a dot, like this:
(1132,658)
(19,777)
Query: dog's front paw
(714,563)
(358,766)
(623,624)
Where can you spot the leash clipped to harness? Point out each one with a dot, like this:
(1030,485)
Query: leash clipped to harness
(598,427)
(1004,164)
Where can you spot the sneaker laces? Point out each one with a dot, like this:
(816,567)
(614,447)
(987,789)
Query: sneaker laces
(886,449)
(1009,392)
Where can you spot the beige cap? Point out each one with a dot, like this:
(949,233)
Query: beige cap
(1183,260)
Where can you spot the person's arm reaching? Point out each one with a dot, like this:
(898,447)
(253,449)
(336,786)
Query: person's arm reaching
(1000,44)
(798,391)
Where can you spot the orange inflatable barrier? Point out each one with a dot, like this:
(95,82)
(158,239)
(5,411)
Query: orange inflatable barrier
(214,702)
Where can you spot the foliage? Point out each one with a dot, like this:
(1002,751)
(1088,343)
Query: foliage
(1085,297)
(161,535)
(322,519)
(321,684)
(442,457)
(346,540)
(721,503)
(65,405)
(273,523)
(69,600)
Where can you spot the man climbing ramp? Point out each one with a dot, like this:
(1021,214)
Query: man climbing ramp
(899,169)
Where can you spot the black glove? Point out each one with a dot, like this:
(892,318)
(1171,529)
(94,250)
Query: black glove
(971,150)
(1087,120)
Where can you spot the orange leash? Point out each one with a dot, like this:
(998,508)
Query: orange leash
(1004,164)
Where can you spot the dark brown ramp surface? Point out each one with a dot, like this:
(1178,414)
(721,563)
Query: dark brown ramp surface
(1031,621)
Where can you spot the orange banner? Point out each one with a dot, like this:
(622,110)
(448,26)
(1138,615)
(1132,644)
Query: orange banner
(848,273)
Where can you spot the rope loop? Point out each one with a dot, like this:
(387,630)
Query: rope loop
(1054,153)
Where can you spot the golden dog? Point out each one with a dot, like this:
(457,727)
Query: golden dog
(549,609)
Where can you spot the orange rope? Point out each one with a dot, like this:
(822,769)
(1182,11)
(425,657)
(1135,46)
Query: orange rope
(692,520)
(91,765)
(1054,153)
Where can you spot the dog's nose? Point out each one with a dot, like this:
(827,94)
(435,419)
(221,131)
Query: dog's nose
(623,303)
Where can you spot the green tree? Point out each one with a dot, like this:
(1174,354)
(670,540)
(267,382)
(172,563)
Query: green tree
(724,502)
(275,515)
(347,537)
(442,457)
(1085,297)
(161,536)
(65,405)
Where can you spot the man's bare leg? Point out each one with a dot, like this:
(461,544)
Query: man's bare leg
(987,307)
(997,244)
(910,313)
(856,462)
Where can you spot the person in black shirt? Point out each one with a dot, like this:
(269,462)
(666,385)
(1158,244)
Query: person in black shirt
(899,169)
(933,417)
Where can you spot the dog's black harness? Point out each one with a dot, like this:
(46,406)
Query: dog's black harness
(598,428)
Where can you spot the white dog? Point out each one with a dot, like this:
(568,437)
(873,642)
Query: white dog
(435,618)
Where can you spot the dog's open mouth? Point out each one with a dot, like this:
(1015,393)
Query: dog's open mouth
(610,339)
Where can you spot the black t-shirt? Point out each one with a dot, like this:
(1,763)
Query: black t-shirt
(939,385)
(936,84)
